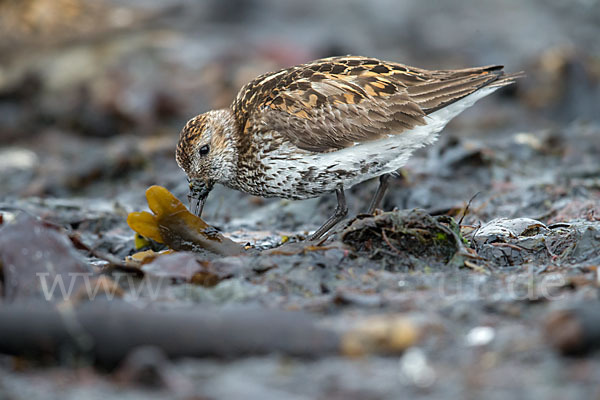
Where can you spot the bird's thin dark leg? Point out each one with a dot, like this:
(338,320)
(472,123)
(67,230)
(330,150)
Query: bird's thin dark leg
(383,185)
(340,212)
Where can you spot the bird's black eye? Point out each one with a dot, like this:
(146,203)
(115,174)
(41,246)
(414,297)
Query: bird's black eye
(204,150)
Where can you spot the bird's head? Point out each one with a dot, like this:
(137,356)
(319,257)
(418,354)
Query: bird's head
(207,153)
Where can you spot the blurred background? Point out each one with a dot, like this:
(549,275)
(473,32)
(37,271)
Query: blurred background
(93,93)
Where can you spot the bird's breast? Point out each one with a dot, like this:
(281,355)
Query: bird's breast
(288,172)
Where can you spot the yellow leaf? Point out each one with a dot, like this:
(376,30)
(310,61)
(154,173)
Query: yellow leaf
(145,224)
(162,202)
(140,241)
(175,226)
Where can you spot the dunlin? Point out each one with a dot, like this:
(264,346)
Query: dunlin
(325,126)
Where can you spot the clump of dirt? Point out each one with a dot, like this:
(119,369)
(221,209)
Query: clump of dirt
(407,239)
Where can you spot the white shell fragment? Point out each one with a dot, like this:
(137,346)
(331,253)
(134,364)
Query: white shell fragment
(503,229)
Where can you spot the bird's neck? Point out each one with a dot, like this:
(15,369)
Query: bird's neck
(229,137)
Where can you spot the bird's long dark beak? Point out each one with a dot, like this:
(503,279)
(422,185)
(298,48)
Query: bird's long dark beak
(199,191)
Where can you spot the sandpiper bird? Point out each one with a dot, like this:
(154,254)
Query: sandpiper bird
(325,126)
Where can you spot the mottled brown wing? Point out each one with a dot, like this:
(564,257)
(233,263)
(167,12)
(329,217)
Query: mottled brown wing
(333,103)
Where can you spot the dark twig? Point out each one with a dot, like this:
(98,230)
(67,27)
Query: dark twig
(387,240)
(512,246)
(464,214)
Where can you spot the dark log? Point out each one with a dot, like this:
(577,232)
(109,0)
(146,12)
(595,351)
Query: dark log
(106,336)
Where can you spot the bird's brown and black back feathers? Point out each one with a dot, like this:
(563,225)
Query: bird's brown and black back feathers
(333,103)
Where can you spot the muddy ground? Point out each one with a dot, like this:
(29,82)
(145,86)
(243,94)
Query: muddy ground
(485,255)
